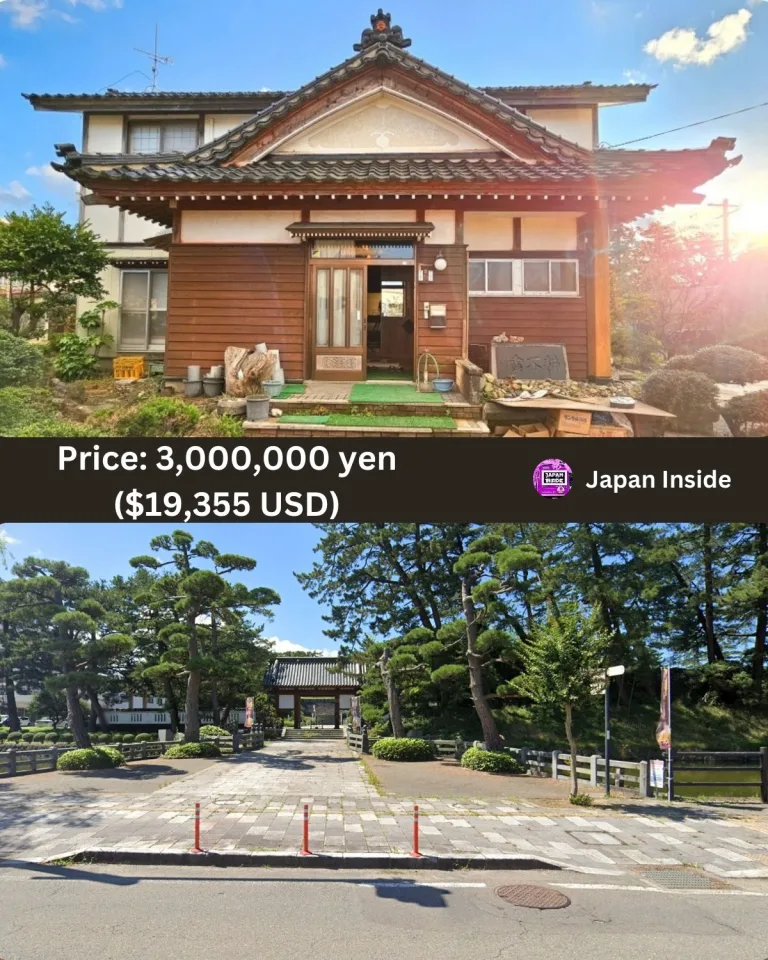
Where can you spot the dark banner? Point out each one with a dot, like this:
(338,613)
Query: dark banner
(404,479)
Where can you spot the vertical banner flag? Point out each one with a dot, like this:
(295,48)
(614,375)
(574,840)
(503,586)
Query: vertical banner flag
(354,703)
(664,726)
(249,712)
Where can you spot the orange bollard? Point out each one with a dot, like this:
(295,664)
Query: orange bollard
(197,848)
(305,851)
(415,851)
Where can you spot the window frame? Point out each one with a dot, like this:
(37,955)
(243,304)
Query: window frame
(518,277)
(162,126)
(149,346)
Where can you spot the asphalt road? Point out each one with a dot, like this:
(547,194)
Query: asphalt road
(118,913)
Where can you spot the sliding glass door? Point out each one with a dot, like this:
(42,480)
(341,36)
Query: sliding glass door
(338,321)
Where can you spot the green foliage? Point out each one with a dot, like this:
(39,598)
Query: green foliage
(63,429)
(726,364)
(689,395)
(51,737)
(38,737)
(211,730)
(27,737)
(74,359)
(100,758)
(187,751)
(67,738)
(145,738)
(14,736)
(159,417)
(403,750)
(213,425)
(129,738)
(683,361)
(23,408)
(116,737)
(490,761)
(21,363)
(581,799)
(741,412)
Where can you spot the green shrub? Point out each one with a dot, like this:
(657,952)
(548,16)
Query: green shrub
(159,417)
(129,738)
(403,749)
(21,363)
(210,730)
(739,412)
(51,737)
(67,738)
(145,738)
(22,408)
(581,800)
(725,364)
(74,359)
(58,428)
(490,761)
(99,758)
(682,362)
(27,737)
(14,737)
(116,737)
(213,425)
(38,737)
(186,751)
(689,395)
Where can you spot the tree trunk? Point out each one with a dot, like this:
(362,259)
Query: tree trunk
(761,618)
(75,718)
(214,688)
(98,711)
(93,717)
(572,745)
(393,697)
(491,735)
(10,700)
(173,707)
(192,705)
(714,651)
(16,317)
(225,715)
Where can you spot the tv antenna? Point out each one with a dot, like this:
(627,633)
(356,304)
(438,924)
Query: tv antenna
(156,60)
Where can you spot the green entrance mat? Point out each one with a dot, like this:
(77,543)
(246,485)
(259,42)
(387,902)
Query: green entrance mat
(291,390)
(351,420)
(386,393)
(389,375)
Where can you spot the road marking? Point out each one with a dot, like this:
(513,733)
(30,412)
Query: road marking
(634,889)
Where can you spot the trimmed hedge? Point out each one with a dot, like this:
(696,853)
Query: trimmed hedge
(97,758)
(144,738)
(187,751)
(403,749)
(689,395)
(129,738)
(490,761)
(726,364)
(51,737)
(210,730)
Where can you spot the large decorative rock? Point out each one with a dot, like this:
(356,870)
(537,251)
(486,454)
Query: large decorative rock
(233,360)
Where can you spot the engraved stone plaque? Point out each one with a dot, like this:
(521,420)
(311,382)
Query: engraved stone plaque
(339,363)
(529,361)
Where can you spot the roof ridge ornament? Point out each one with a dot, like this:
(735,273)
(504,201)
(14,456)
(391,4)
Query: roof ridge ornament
(382,31)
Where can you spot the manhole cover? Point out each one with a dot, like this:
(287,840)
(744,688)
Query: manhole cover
(683,879)
(539,898)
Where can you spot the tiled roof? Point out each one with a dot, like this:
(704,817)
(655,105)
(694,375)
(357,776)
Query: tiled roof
(382,55)
(313,672)
(602,165)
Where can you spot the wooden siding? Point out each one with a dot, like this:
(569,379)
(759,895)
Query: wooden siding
(449,287)
(538,319)
(235,295)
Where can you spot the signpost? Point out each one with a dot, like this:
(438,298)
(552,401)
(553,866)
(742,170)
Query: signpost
(248,713)
(610,672)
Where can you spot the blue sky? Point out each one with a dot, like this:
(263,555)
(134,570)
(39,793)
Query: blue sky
(104,550)
(708,59)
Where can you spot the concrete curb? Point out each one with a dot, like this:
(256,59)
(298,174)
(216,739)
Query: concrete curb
(324,861)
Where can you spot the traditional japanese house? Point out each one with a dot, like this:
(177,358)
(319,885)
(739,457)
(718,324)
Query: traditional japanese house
(383,211)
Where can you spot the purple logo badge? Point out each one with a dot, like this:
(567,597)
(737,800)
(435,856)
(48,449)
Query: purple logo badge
(552,478)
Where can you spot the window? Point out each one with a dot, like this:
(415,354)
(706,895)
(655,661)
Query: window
(143,309)
(361,250)
(524,278)
(167,136)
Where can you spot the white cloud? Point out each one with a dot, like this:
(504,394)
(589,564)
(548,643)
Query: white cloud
(3,62)
(684,47)
(635,76)
(287,646)
(14,195)
(27,14)
(53,179)
(7,539)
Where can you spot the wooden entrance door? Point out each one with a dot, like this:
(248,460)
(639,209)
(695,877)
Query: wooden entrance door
(338,320)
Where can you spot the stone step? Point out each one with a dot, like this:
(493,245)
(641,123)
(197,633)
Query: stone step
(458,409)
(273,428)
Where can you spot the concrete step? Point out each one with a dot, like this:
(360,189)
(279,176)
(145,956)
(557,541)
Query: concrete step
(456,408)
(273,428)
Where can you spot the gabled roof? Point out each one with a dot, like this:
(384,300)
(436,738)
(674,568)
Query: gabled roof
(288,672)
(382,55)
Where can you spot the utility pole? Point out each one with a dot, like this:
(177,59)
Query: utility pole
(156,59)
(727,207)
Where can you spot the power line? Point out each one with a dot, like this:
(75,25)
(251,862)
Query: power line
(688,126)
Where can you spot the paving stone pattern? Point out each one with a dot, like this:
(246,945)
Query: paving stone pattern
(254,803)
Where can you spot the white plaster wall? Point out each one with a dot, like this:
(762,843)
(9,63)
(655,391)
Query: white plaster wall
(216,125)
(488,231)
(285,701)
(575,124)
(345,701)
(104,220)
(362,216)
(137,229)
(238,226)
(105,134)
(445,226)
(549,233)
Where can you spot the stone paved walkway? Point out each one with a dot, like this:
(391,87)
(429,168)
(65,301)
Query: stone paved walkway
(254,803)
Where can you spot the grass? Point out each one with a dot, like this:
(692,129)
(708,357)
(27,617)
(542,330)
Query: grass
(291,390)
(389,375)
(391,393)
(363,420)
(374,781)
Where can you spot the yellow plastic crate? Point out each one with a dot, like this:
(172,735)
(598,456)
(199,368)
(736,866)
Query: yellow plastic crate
(128,368)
